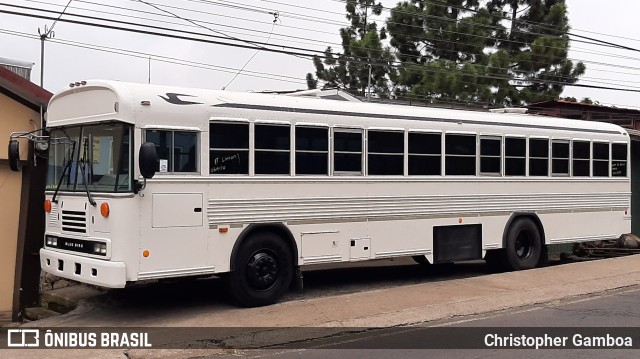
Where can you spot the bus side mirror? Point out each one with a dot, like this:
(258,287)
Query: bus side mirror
(148,160)
(14,155)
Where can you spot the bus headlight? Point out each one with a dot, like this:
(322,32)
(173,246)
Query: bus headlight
(100,248)
(51,241)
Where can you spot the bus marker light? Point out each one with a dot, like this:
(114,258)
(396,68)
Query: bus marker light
(104,209)
(145,253)
(47,206)
(223,229)
(459,220)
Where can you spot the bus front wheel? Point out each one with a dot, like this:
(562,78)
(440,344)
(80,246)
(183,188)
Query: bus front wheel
(263,270)
(523,246)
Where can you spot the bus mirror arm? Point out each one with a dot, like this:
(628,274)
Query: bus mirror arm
(139,186)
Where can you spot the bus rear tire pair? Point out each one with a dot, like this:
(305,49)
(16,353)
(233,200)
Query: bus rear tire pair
(263,270)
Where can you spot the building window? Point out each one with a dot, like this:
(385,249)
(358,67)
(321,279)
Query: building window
(600,159)
(515,160)
(272,149)
(460,154)
(581,158)
(385,153)
(229,148)
(347,151)
(619,159)
(312,150)
(490,155)
(538,157)
(560,158)
(176,150)
(425,154)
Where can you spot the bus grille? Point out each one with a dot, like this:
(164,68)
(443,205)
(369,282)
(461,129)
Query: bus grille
(53,215)
(74,221)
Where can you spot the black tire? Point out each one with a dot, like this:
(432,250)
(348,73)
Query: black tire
(523,246)
(422,260)
(495,260)
(263,270)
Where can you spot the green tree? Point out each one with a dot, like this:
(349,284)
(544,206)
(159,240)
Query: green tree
(362,52)
(537,44)
(461,50)
(441,48)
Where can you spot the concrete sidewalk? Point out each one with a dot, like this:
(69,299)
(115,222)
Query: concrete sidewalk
(407,305)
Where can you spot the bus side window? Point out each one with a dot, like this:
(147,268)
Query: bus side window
(347,151)
(581,157)
(515,150)
(560,158)
(312,150)
(600,159)
(229,148)
(272,149)
(176,150)
(386,152)
(490,155)
(425,154)
(619,159)
(538,157)
(460,154)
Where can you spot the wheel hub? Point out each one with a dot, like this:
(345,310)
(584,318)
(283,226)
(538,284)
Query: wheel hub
(523,246)
(262,271)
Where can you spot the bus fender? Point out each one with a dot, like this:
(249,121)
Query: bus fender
(277,228)
(533,216)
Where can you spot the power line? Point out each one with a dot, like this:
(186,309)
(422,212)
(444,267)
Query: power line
(504,78)
(413,56)
(449,41)
(161,58)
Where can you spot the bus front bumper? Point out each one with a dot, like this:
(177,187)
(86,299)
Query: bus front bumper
(86,270)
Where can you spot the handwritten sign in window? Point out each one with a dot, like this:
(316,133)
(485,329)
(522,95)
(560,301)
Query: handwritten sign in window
(225,162)
(619,168)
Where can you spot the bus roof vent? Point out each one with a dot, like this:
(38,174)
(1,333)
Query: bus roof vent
(509,110)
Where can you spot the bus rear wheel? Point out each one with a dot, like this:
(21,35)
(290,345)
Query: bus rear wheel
(523,246)
(263,270)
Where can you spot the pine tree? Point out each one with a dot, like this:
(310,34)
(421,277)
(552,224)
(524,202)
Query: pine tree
(440,45)
(363,51)
(538,44)
(461,50)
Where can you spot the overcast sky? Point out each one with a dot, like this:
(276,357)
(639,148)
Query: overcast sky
(303,24)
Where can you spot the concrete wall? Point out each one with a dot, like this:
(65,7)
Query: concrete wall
(14,116)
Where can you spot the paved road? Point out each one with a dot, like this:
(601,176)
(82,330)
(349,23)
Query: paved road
(319,281)
(381,296)
(619,310)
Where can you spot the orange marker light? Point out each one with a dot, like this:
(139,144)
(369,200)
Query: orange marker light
(459,220)
(223,229)
(145,253)
(47,205)
(104,209)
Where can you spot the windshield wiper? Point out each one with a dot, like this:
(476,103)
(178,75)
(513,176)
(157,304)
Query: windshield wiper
(81,163)
(67,165)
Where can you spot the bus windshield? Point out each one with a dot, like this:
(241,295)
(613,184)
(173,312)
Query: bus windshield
(94,158)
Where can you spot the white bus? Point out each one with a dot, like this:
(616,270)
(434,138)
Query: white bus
(149,182)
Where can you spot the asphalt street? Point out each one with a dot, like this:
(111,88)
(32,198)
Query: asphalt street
(616,313)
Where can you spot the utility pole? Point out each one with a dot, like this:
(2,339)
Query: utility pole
(369,85)
(514,7)
(47,33)
(44,35)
